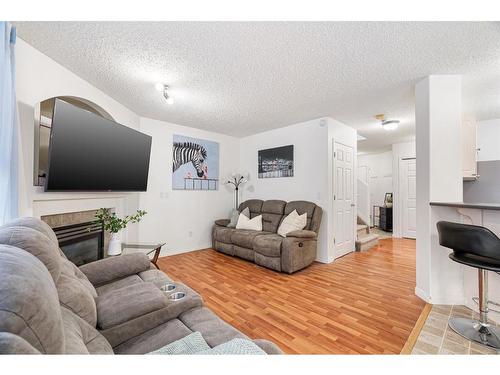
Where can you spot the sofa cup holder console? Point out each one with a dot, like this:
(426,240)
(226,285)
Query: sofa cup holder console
(167,288)
(177,296)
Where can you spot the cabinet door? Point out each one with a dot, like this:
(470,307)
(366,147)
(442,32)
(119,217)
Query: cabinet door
(469,152)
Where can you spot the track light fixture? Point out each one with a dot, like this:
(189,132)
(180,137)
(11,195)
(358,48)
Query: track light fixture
(164,89)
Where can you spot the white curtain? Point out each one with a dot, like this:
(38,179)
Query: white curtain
(9,163)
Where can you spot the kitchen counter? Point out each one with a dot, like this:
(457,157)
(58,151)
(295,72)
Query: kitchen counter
(482,214)
(479,206)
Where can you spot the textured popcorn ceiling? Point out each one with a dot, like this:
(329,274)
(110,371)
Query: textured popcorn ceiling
(241,78)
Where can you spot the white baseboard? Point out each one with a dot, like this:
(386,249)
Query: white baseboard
(324,260)
(422,294)
(167,252)
(448,299)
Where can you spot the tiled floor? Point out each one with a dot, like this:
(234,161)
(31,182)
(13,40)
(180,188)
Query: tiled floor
(437,337)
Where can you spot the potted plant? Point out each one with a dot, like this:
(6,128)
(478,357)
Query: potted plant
(114,225)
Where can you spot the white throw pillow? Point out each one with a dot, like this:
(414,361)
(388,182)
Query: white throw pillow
(292,222)
(247,223)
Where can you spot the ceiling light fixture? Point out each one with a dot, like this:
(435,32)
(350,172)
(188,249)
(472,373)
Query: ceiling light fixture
(390,124)
(387,124)
(164,88)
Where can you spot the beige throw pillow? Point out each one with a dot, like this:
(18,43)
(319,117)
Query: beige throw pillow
(247,223)
(292,222)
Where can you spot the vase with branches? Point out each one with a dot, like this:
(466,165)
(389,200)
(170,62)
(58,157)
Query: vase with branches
(115,224)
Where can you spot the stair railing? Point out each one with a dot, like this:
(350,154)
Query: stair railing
(364,202)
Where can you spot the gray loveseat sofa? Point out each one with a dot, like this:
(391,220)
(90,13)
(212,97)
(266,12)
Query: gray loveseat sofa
(115,305)
(267,248)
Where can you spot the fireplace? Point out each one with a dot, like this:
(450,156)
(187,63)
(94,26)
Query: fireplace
(80,236)
(83,242)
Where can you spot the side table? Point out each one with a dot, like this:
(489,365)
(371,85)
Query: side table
(128,248)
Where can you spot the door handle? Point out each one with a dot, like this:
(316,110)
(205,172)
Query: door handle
(352,204)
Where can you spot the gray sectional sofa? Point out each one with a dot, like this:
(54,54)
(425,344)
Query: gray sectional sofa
(267,248)
(115,305)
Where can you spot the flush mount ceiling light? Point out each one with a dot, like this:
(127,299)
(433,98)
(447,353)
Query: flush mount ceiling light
(387,124)
(161,87)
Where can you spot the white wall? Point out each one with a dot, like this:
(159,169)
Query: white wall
(380,176)
(439,178)
(399,151)
(310,180)
(488,140)
(183,219)
(38,78)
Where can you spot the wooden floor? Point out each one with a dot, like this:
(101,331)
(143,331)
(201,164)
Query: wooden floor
(361,303)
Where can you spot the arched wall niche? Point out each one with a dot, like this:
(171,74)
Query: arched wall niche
(43,122)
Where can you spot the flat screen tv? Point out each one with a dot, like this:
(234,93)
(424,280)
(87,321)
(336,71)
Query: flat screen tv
(89,153)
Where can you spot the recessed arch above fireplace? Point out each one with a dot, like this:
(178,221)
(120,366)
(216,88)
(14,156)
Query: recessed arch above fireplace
(43,122)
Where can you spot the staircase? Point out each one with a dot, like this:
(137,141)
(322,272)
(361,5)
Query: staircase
(364,239)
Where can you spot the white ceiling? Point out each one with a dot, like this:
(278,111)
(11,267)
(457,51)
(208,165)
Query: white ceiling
(240,78)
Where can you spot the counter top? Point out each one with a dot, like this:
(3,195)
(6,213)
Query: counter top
(479,206)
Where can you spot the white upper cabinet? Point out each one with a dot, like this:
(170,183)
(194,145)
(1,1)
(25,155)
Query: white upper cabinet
(469,149)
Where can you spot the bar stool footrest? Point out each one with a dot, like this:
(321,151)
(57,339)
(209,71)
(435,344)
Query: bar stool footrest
(476,301)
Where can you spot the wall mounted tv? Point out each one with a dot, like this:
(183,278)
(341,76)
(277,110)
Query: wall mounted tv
(89,153)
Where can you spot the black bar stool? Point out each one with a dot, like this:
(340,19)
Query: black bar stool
(476,247)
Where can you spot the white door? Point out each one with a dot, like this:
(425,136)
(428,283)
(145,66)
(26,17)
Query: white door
(343,200)
(408,168)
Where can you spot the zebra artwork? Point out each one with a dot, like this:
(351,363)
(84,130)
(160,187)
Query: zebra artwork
(195,164)
(185,152)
